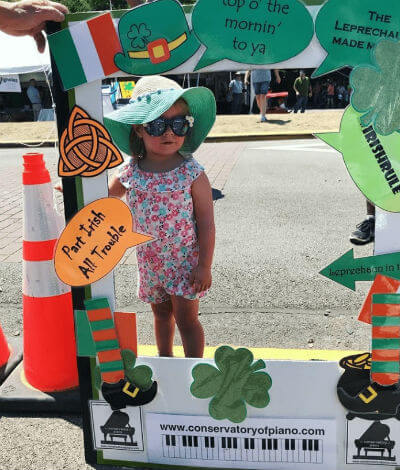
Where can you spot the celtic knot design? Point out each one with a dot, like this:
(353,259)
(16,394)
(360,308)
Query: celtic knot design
(86,148)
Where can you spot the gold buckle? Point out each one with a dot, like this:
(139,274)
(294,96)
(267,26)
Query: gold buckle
(126,390)
(371,397)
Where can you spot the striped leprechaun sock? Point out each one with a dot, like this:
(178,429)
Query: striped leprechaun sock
(385,366)
(105,339)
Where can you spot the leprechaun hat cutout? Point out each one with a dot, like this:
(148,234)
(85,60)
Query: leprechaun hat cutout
(155,38)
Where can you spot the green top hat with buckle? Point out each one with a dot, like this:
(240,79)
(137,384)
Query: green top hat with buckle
(155,38)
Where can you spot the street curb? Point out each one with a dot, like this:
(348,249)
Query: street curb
(216,138)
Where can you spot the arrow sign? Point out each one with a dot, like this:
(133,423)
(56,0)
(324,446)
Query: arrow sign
(346,270)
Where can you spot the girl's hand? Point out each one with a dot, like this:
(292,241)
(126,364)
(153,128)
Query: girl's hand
(201,278)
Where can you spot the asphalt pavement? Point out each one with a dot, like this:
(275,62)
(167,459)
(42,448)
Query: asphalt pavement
(284,211)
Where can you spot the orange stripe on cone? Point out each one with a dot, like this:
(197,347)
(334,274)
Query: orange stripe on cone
(4,349)
(38,251)
(49,342)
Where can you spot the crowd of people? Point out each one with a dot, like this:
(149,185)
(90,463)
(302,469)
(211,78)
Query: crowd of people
(303,92)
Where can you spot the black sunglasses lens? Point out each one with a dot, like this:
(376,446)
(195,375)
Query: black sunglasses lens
(180,126)
(156,127)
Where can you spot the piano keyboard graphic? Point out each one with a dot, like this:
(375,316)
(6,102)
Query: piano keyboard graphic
(246,449)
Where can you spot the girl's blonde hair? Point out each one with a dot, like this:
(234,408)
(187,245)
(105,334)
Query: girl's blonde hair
(137,147)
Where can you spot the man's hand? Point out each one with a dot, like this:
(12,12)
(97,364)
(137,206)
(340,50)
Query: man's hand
(200,278)
(28,18)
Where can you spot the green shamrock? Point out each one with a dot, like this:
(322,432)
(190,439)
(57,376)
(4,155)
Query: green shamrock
(377,90)
(139,35)
(233,383)
(141,376)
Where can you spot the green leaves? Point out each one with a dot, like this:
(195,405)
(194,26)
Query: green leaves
(377,90)
(141,376)
(233,383)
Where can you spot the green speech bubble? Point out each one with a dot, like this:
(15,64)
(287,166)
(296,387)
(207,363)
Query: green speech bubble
(256,32)
(349,30)
(372,160)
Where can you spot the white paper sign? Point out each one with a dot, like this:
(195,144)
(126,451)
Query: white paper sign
(10,83)
(255,443)
(119,429)
(373,442)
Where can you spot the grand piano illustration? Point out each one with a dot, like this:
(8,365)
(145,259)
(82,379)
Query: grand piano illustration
(362,397)
(117,429)
(375,440)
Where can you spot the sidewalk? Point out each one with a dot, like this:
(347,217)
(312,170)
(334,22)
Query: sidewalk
(226,127)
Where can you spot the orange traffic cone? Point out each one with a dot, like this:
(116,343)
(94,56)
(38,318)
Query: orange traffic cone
(4,350)
(49,338)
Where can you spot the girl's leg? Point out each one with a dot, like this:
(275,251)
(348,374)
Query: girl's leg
(186,314)
(258,99)
(164,327)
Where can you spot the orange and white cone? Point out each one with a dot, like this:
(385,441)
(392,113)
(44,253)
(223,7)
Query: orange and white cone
(49,338)
(4,350)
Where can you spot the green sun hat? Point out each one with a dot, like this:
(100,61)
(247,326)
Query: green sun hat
(151,97)
(155,38)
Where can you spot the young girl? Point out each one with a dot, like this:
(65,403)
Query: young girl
(171,199)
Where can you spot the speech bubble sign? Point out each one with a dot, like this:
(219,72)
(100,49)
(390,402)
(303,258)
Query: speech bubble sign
(372,160)
(348,31)
(94,241)
(256,32)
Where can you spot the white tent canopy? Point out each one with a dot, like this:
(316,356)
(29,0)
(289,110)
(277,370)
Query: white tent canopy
(20,55)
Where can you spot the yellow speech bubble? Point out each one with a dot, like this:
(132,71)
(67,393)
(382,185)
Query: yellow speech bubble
(94,241)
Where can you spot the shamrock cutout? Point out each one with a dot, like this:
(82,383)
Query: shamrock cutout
(233,383)
(139,35)
(377,90)
(141,376)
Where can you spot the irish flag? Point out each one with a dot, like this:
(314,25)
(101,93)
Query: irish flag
(85,51)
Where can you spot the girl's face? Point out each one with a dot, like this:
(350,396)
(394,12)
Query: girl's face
(168,143)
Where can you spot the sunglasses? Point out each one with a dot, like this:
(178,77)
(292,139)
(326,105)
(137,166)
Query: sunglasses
(179,125)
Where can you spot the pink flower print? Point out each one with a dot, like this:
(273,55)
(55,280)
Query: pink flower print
(175,179)
(169,216)
(169,181)
(171,206)
(175,213)
(158,198)
(166,225)
(175,195)
(154,218)
(156,208)
(165,200)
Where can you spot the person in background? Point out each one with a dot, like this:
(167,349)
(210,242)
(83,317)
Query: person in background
(365,231)
(28,18)
(330,93)
(236,88)
(302,87)
(34,98)
(260,81)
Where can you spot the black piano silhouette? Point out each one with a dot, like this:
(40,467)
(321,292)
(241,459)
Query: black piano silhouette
(117,426)
(375,439)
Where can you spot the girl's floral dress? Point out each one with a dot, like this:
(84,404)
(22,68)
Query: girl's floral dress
(162,206)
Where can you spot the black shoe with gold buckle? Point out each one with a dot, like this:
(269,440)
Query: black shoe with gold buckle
(360,396)
(123,393)
(373,401)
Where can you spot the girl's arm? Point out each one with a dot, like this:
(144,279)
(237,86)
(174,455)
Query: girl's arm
(116,188)
(204,215)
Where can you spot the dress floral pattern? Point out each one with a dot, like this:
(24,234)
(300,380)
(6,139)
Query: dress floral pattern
(162,206)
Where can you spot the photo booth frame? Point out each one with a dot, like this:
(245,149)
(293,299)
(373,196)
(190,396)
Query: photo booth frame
(316,430)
